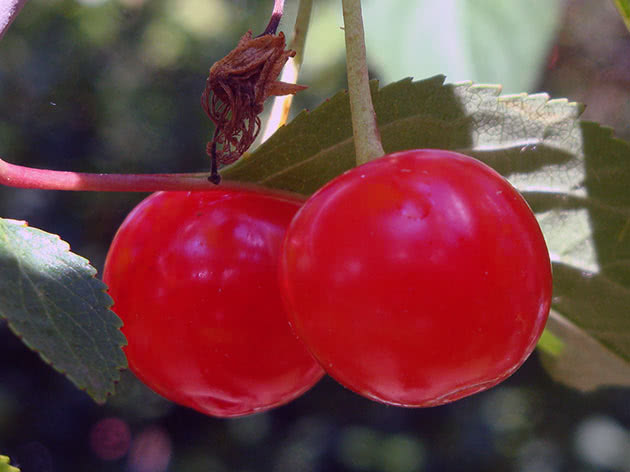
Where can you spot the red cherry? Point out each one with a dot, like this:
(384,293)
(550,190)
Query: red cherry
(418,278)
(194,277)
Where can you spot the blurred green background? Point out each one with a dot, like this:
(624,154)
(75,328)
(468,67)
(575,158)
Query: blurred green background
(114,86)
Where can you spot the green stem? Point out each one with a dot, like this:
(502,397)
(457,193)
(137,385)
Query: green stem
(302,22)
(367,139)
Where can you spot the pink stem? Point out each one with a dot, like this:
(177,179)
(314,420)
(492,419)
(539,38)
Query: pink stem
(27,177)
(276,16)
(9,9)
(278,7)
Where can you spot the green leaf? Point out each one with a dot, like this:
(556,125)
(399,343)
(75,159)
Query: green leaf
(53,302)
(485,40)
(5,466)
(317,146)
(624,10)
(550,344)
(581,362)
(574,175)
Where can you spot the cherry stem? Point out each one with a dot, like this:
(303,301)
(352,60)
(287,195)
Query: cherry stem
(276,16)
(367,138)
(9,9)
(27,177)
(282,104)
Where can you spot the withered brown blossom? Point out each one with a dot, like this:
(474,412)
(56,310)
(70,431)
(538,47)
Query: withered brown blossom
(236,89)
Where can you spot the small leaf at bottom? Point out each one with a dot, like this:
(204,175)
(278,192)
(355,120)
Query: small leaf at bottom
(5,466)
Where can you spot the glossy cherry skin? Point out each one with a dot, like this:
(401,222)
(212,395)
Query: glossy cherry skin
(418,278)
(194,277)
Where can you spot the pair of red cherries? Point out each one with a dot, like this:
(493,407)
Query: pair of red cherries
(416,279)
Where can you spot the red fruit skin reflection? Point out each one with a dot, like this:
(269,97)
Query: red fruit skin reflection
(194,278)
(418,278)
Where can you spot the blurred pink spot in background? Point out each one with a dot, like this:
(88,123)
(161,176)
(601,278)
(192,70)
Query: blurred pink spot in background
(110,439)
(151,451)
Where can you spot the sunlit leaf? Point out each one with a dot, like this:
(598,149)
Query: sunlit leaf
(578,360)
(52,301)
(486,41)
(524,136)
(574,175)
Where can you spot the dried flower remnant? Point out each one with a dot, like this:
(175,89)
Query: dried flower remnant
(236,89)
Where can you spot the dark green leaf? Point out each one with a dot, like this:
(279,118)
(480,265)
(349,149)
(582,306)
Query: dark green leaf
(518,134)
(574,175)
(52,301)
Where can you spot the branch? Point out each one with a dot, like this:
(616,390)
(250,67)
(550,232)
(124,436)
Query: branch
(9,9)
(27,177)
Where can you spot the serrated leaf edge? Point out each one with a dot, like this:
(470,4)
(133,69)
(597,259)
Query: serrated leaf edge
(103,288)
(492,90)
